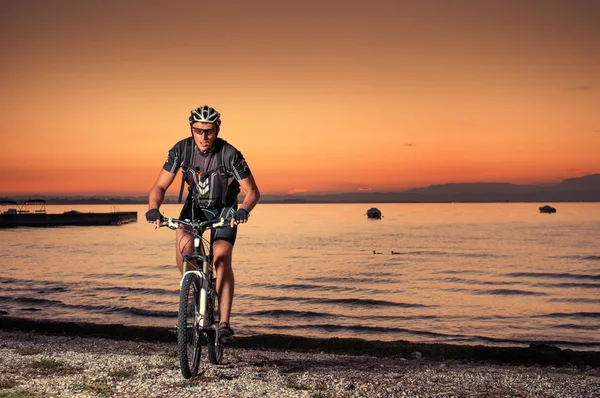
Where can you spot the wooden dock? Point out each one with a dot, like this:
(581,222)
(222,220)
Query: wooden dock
(32,213)
(66,219)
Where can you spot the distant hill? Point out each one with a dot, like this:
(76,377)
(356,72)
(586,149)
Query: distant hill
(581,189)
(585,183)
(473,188)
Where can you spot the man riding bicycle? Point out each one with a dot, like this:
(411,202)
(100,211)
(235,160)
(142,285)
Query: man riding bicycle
(214,171)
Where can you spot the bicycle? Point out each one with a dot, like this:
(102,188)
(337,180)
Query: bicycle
(198,318)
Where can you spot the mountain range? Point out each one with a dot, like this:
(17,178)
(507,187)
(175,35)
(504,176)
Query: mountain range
(580,189)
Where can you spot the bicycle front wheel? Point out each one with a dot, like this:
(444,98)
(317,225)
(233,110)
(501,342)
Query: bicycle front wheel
(188,329)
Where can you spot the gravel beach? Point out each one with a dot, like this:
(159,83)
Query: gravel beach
(33,364)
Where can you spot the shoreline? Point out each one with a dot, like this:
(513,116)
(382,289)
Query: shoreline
(534,354)
(38,365)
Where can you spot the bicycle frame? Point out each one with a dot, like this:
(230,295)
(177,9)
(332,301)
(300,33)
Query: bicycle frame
(205,275)
(200,253)
(197,328)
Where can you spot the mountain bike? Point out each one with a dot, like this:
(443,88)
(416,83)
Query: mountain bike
(198,318)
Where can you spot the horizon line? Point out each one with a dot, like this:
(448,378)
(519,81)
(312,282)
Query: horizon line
(297,194)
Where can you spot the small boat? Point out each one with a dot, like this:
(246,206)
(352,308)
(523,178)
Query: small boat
(374,213)
(547,209)
(12,207)
(26,216)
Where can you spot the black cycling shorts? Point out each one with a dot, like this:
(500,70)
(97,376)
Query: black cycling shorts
(228,234)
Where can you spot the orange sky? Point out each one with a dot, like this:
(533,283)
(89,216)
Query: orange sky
(322,96)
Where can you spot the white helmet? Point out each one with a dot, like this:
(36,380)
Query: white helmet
(205,114)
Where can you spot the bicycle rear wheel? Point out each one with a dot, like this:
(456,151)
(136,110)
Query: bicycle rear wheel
(189,332)
(214,348)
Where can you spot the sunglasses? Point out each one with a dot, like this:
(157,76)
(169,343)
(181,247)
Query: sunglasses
(209,132)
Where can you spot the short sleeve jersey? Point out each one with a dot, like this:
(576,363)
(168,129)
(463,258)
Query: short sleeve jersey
(211,184)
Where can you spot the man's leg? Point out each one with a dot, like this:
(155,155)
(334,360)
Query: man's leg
(184,243)
(222,252)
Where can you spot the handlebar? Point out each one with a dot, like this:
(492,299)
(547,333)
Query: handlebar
(174,223)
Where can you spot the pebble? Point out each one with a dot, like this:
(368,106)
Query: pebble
(60,366)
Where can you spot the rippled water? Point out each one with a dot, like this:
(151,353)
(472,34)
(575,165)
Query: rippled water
(459,273)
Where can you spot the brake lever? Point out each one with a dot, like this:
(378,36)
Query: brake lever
(172,225)
(219,224)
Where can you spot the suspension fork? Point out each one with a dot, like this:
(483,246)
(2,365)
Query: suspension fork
(206,281)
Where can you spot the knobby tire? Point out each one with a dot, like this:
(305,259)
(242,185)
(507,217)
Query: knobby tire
(189,342)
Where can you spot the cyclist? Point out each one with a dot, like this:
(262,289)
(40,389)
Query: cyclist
(214,171)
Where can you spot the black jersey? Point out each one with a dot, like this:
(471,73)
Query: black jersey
(210,184)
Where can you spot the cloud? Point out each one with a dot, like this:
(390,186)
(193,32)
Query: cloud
(297,190)
(572,170)
(351,185)
(408,144)
(365,189)
(580,87)
(597,131)
(498,173)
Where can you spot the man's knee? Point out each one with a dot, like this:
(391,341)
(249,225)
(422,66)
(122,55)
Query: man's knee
(223,260)
(222,252)
(183,241)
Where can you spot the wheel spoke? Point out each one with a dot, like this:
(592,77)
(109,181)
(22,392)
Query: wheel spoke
(188,331)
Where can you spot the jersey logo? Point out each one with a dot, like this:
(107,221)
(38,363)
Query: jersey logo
(244,165)
(203,189)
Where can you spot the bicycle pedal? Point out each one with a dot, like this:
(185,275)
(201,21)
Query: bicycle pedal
(226,340)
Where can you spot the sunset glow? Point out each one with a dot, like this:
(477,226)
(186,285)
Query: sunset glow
(320,97)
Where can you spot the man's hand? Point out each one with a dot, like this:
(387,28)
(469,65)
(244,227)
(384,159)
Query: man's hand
(240,217)
(154,216)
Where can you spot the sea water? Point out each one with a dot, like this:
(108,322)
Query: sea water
(469,273)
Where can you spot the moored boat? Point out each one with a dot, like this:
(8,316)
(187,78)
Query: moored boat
(374,213)
(547,209)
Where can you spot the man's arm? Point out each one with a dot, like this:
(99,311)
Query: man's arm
(157,193)
(248,186)
(167,175)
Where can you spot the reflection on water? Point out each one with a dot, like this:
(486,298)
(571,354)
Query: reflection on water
(468,273)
